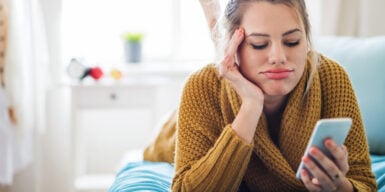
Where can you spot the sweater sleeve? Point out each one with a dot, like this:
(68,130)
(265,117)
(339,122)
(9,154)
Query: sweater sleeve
(209,155)
(340,101)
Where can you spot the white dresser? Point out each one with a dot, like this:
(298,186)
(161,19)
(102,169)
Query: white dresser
(110,117)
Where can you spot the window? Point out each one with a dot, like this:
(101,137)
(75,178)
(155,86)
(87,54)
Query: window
(314,11)
(174,30)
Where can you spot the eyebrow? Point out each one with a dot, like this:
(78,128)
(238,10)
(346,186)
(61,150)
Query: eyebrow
(267,35)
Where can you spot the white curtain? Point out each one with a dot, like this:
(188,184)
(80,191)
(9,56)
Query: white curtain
(25,74)
(348,17)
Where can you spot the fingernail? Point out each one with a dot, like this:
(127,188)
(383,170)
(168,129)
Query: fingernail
(313,151)
(304,173)
(330,143)
(315,181)
(240,32)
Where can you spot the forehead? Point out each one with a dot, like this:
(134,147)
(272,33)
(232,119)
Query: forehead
(264,17)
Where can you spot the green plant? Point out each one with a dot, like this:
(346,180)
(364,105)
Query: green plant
(133,37)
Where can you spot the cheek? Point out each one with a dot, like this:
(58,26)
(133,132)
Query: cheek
(299,60)
(244,59)
(302,52)
(250,63)
(298,56)
(249,57)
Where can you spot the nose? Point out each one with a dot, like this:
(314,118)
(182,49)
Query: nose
(277,54)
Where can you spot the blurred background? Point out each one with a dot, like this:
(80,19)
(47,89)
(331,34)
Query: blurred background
(83,105)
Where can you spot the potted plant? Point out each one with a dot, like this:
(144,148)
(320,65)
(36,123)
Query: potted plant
(133,47)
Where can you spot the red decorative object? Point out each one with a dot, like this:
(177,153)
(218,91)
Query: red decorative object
(96,73)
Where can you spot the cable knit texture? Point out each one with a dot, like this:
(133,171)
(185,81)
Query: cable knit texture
(211,157)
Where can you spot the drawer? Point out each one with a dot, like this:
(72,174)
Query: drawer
(114,97)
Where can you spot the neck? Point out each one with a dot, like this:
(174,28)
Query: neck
(274,104)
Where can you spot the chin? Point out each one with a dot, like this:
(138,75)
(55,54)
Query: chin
(277,88)
(277,91)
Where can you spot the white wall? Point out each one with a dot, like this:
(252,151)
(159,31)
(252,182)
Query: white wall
(50,169)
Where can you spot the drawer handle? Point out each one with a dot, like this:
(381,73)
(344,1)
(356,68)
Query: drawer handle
(113,96)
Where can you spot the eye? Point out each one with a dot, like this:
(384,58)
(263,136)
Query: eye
(292,43)
(259,46)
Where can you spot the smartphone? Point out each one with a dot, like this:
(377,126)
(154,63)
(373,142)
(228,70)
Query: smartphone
(336,129)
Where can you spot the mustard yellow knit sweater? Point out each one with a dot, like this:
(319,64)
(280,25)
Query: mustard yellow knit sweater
(211,157)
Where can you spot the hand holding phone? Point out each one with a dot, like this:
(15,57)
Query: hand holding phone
(336,129)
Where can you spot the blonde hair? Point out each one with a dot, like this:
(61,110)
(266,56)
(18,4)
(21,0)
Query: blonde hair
(232,18)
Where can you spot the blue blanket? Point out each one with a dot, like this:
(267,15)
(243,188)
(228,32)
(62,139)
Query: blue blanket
(378,167)
(144,176)
(157,176)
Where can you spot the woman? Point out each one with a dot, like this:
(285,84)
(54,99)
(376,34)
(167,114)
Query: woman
(244,124)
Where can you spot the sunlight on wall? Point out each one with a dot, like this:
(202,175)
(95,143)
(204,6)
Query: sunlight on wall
(174,30)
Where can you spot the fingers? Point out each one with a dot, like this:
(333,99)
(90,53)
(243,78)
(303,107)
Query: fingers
(312,184)
(226,66)
(228,63)
(329,174)
(234,42)
(320,177)
(340,155)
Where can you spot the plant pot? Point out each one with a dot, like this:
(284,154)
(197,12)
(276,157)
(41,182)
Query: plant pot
(133,51)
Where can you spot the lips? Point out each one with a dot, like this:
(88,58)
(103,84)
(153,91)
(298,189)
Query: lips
(278,74)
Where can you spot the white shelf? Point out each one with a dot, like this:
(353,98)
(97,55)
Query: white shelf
(141,73)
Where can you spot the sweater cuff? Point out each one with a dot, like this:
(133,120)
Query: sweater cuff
(359,186)
(230,146)
(237,139)
(225,164)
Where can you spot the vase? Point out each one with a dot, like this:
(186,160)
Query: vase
(133,51)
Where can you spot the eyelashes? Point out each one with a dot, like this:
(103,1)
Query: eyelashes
(258,46)
(292,44)
(262,46)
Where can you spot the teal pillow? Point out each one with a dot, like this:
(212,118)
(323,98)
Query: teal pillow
(364,60)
